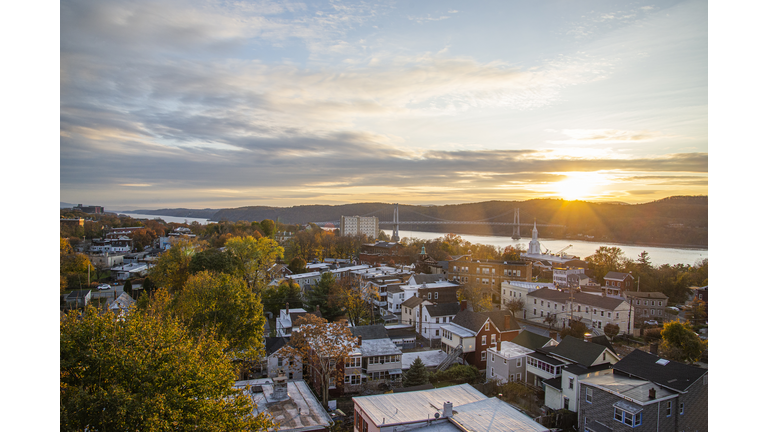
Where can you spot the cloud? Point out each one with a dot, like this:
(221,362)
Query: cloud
(607,136)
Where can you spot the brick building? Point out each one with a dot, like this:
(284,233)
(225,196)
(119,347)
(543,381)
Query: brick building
(489,273)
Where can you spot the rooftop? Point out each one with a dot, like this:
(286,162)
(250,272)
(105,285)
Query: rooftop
(635,389)
(300,411)
(671,374)
(511,350)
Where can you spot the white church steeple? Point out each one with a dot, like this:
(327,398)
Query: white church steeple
(533,246)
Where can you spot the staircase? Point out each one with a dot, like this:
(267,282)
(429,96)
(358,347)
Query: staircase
(448,361)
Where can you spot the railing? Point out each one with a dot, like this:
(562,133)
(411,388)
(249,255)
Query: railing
(452,357)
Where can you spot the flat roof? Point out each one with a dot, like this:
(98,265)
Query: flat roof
(301,411)
(396,408)
(632,388)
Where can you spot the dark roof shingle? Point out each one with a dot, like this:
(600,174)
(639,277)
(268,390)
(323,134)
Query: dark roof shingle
(674,375)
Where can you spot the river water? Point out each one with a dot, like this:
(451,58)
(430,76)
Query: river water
(580,248)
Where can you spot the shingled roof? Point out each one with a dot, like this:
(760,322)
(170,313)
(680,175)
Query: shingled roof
(578,350)
(412,302)
(443,309)
(474,321)
(609,303)
(370,332)
(666,373)
(531,340)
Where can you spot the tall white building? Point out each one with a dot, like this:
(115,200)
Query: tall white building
(354,225)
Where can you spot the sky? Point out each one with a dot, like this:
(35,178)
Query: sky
(214,104)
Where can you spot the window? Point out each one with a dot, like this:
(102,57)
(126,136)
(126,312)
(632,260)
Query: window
(482,356)
(534,311)
(437,332)
(487,326)
(493,360)
(588,395)
(609,314)
(578,308)
(519,362)
(279,361)
(534,301)
(491,372)
(627,418)
(519,377)
(565,402)
(669,408)
(290,376)
(570,383)
(682,408)
(435,295)
(493,338)
(483,340)
(602,313)
(429,296)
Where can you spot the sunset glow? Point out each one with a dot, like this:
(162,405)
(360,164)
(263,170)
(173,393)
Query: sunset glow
(218,104)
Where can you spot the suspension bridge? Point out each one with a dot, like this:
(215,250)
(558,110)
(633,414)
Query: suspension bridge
(396,222)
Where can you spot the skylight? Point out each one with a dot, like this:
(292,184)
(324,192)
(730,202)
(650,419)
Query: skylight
(662,361)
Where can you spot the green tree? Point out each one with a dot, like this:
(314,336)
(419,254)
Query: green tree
(321,295)
(213,260)
(577,329)
(416,375)
(172,268)
(253,257)
(268,227)
(146,373)
(275,297)
(223,305)
(128,287)
(680,343)
(297,265)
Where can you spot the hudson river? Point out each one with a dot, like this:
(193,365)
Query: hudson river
(582,249)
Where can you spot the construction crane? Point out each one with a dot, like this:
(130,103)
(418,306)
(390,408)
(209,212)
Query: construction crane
(560,252)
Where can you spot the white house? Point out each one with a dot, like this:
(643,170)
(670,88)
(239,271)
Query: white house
(506,362)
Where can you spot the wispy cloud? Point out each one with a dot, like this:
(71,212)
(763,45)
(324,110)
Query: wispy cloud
(607,136)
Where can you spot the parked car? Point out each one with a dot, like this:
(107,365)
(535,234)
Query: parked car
(104,287)
(652,322)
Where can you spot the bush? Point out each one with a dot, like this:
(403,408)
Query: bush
(458,374)
(652,334)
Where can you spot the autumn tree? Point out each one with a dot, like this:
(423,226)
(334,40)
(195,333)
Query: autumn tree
(352,303)
(253,257)
(681,343)
(322,346)
(172,268)
(515,305)
(74,267)
(477,296)
(611,330)
(297,265)
(147,373)
(606,259)
(222,305)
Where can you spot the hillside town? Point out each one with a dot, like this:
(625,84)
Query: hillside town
(375,337)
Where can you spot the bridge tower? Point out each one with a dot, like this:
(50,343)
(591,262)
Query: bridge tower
(516,226)
(396,221)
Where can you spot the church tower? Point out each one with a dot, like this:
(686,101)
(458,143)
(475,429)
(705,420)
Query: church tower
(534,248)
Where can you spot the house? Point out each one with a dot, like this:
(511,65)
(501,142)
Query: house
(402,335)
(617,282)
(531,340)
(280,361)
(647,305)
(129,271)
(289,402)
(558,369)
(284,322)
(120,305)
(558,307)
(562,271)
(489,273)
(78,298)
(380,360)
(506,362)
(648,393)
(427,316)
(458,408)
(474,332)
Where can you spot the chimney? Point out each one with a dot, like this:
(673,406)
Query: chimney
(652,393)
(655,348)
(359,341)
(553,335)
(463,305)
(287,308)
(447,409)
(587,337)
(507,322)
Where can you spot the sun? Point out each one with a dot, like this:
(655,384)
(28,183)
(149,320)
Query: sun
(577,186)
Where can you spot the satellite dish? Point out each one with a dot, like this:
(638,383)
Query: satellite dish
(437,415)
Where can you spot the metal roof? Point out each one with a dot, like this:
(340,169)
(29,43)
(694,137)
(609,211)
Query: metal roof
(494,415)
(388,409)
